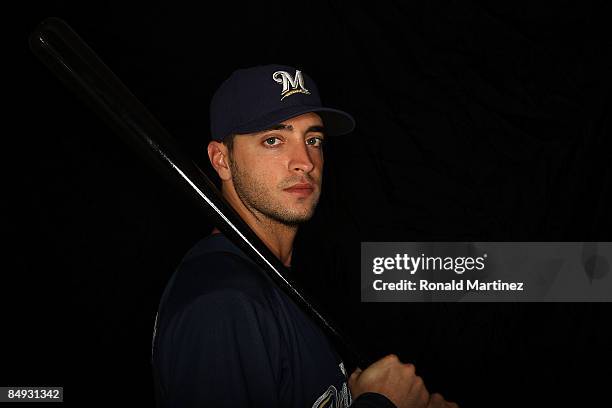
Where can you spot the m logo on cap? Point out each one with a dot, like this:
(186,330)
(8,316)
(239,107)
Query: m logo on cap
(290,85)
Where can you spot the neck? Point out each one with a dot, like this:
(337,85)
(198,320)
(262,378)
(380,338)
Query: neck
(278,237)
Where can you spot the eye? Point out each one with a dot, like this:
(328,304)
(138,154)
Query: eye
(272,141)
(315,141)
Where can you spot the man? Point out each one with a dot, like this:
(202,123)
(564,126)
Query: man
(225,334)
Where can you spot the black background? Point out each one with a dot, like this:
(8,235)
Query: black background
(476,122)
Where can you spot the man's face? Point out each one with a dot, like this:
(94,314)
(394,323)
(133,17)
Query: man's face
(277,173)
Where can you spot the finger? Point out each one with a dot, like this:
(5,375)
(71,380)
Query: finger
(388,360)
(437,397)
(355,374)
(435,401)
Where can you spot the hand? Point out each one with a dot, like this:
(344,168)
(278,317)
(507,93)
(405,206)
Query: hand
(393,379)
(437,401)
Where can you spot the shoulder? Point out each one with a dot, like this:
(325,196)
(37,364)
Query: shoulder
(224,294)
(221,271)
(218,277)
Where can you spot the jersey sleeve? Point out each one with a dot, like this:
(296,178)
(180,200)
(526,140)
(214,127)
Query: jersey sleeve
(372,400)
(226,351)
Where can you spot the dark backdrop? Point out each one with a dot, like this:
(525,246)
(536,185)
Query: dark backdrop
(475,122)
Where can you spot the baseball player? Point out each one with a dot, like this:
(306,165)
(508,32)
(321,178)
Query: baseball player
(225,334)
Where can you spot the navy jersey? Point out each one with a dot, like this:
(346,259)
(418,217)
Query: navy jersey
(225,335)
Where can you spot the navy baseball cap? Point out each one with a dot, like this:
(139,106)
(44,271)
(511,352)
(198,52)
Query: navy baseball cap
(254,99)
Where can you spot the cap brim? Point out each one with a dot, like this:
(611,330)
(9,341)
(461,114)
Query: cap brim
(335,121)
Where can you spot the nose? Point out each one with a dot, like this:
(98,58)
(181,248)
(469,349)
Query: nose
(300,159)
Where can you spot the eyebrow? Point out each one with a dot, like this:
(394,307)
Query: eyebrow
(319,129)
(282,126)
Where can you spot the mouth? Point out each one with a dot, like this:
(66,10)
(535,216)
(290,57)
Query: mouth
(300,189)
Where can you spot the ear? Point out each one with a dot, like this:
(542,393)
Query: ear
(219,158)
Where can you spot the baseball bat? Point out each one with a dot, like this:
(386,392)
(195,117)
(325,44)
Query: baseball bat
(78,67)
